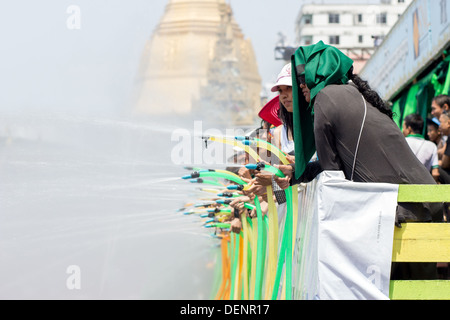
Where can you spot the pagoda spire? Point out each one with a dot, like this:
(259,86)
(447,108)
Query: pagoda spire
(177,59)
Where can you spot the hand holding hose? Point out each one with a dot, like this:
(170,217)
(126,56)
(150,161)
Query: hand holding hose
(236,225)
(287,170)
(239,202)
(263,179)
(257,189)
(245,174)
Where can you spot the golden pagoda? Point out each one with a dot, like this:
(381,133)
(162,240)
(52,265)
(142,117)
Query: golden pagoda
(195,41)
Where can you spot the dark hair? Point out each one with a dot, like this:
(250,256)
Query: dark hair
(431,123)
(415,121)
(258,130)
(370,95)
(446,113)
(287,118)
(441,100)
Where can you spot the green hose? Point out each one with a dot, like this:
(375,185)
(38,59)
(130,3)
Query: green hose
(259,251)
(288,225)
(286,244)
(249,206)
(221,225)
(207,181)
(224,175)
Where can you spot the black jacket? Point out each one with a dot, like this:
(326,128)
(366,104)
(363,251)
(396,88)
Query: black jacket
(383,154)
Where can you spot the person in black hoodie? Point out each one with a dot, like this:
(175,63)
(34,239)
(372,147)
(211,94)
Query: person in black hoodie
(339,116)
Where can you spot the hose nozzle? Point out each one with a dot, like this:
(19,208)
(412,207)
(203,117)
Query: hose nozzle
(193,175)
(238,187)
(225,194)
(224,201)
(255,166)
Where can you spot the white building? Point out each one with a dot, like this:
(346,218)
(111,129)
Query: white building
(356,29)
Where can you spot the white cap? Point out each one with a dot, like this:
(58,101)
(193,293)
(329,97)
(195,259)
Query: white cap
(284,78)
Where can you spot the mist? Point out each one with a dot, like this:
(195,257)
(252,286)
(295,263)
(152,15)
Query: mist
(89,196)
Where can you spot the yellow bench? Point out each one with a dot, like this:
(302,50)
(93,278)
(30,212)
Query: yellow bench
(422,242)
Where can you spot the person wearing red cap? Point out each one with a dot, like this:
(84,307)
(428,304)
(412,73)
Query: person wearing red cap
(269,112)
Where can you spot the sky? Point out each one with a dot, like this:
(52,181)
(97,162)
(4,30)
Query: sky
(46,65)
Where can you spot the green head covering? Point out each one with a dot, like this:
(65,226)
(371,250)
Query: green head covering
(321,65)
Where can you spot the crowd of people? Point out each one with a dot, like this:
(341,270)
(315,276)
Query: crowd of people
(325,117)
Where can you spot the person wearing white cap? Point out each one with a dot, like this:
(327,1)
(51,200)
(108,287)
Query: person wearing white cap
(283,135)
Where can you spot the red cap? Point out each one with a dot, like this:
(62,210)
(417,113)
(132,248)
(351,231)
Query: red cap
(269,112)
